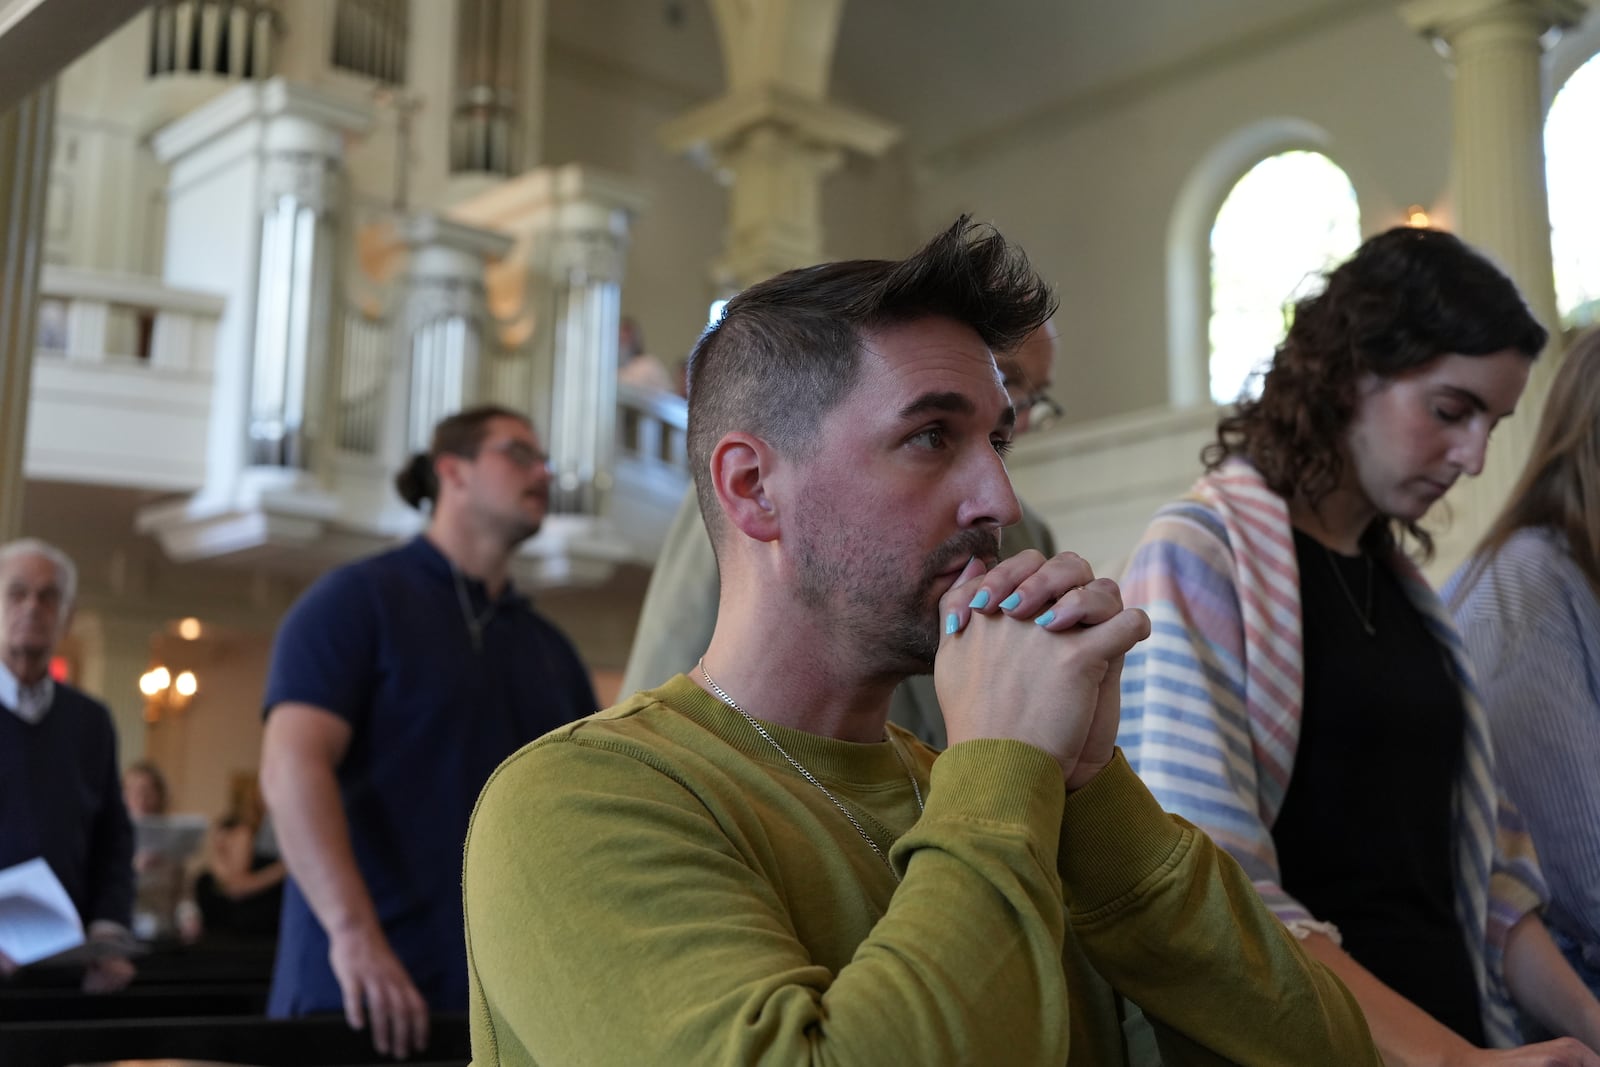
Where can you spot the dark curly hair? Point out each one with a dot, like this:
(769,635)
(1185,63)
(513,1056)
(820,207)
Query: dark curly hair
(1406,297)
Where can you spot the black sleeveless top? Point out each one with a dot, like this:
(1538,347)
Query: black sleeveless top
(1366,836)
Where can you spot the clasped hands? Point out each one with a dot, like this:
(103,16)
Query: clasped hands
(1032,651)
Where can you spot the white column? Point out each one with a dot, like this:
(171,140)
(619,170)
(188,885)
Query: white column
(1501,206)
(774,136)
(253,215)
(571,225)
(25,131)
(773,151)
(444,334)
(297,284)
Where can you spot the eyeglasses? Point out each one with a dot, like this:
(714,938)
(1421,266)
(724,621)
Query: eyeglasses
(1037,407)
(1042,410)
(520,454)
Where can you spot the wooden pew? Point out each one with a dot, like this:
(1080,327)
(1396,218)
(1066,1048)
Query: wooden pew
(324,1041)
(143,1000)
(183,981)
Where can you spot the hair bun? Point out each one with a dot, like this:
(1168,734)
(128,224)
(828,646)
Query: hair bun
(417,482)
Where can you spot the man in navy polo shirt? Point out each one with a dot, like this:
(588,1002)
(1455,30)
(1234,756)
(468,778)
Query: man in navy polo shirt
(398,684)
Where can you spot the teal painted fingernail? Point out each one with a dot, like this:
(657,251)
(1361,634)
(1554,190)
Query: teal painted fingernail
(952,623)
(1046,619)
(1010,602)
(980,601)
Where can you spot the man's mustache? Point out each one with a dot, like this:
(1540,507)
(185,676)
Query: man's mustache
(985,544)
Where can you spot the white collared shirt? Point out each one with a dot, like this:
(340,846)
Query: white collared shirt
(26,702)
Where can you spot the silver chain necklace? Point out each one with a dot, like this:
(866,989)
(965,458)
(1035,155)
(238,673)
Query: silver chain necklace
(1365,616)
(475,623)
(808,776)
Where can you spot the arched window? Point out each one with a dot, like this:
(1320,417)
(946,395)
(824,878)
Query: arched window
(1572,160)
(1291,217)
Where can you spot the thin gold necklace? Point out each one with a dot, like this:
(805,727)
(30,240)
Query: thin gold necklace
(1365,616)
(723,696)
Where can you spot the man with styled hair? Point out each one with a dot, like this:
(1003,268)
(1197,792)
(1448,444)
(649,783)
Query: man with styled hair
(60,782)
(748,864)
(397,683)
(680,604)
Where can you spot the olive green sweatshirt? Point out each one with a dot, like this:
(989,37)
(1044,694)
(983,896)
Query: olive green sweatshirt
(655,884)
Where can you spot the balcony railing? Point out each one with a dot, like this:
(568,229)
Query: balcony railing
(127,320)
(121,389)
(652,427)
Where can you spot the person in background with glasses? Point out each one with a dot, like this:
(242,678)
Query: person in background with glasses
(1027,372)
(680,605)
(397,684)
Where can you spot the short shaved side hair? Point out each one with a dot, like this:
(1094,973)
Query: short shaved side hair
(788,350)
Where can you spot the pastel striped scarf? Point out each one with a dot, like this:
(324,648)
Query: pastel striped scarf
(1211,707)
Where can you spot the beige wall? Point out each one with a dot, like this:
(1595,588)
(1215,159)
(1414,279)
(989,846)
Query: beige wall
(867,208)
(613,75)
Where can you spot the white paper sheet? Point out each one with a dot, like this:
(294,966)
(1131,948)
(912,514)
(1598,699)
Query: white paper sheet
(175,836)
(37,918)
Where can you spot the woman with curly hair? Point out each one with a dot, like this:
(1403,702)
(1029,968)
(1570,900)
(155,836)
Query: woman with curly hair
(1303,697)
(1528,605)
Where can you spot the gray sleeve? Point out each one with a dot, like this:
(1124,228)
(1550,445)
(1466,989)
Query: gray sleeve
(1031,532)
(680,605)
(1532,631)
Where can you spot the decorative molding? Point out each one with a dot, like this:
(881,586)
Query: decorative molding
(711,127)
(429,230)
(275,99)
(308,178)
(1443,19)
(515,205)
(122,425)
(114,287)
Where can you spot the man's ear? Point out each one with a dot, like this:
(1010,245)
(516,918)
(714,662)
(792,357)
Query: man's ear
(741,466)
(447,469)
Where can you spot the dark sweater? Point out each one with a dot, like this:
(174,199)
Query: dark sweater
(61,798)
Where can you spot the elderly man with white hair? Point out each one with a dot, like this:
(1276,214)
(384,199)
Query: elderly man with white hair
(60,789)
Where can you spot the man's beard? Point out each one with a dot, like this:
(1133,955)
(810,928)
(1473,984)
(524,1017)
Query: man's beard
(894,629)
(517,527)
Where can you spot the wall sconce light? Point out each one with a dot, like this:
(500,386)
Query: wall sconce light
(165,694)
(1417,217)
